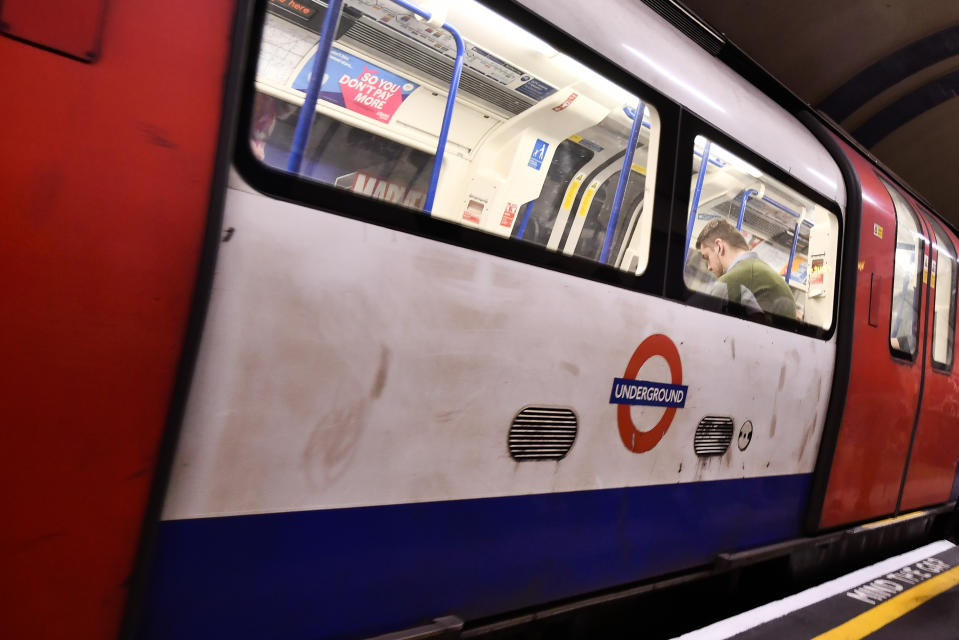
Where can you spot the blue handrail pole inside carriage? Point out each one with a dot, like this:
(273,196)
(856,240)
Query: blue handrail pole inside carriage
(742,207)
(305,122)
(621,185)
(450,100)
(527,211)
(792,252)
(694,205)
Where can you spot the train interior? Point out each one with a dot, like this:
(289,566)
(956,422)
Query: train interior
(537,142)
(536,148)
(789,232)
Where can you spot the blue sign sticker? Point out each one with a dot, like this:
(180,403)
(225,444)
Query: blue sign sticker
(539,154)
(536,89)
(646,393)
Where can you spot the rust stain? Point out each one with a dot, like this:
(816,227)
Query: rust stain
(772,426)
(782,377)
(732,347)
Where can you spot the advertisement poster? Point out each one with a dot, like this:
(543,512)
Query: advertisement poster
(358,85)
(817,271)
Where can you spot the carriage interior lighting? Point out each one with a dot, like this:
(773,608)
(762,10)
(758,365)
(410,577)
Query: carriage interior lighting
(515,32)
(604,85)
(719,153)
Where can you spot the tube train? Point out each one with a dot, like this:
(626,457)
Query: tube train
(440,344)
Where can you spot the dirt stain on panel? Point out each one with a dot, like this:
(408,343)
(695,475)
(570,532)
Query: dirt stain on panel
(732,347)
(334,440)
(782,377)
(379,380)
(569,366)
(446,416)
(772,426)
(810,429)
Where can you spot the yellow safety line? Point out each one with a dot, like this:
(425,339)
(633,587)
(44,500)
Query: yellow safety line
(887,521)
(896,607)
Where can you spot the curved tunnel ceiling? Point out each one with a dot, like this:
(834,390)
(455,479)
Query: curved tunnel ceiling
(886,70)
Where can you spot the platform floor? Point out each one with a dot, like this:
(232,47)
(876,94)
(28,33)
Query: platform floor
(914,595)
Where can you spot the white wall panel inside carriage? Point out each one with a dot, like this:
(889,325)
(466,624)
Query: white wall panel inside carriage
(345,364)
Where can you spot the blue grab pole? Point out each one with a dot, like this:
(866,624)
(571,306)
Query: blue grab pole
(528,210)
(742,208)
(792,252)
(305,122)
(450,100)
(621,185)
(694,205)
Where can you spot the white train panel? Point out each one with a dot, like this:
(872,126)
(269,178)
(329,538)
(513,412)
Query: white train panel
(345,364)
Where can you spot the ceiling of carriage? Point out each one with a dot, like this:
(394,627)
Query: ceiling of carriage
(886,70)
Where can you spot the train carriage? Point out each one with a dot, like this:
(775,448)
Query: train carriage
(454,349)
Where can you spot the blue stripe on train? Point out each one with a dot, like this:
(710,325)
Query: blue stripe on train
(362,571)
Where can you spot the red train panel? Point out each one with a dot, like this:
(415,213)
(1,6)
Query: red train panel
(106,182)
(935,450)
(883,391)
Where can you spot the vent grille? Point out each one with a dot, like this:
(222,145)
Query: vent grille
(542,433)
(713,436)
(684,20)
(439,68)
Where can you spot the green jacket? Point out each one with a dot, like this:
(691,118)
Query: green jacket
(768,288)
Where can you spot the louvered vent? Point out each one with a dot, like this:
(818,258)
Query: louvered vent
(542,433)
(688,23)
(713,436)
(440,68)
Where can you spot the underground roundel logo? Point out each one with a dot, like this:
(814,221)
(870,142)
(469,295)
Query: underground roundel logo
(628,391)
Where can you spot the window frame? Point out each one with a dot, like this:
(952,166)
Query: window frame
(899,354)
(690,127)
(935,225)
(330,200)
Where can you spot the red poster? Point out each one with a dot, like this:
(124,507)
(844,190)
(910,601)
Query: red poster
(509,213)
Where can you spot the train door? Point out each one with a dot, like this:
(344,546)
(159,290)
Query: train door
(886,371)
(930,475)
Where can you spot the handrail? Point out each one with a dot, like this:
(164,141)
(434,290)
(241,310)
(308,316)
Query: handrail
(450,99)
(319,68)
(742,207)
(621,185)
(527,212)
(694,205)
(792,252)
(305,121)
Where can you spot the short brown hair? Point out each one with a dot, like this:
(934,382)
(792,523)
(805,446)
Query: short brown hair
(721,229)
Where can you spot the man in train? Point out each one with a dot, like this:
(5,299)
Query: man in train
(742,277)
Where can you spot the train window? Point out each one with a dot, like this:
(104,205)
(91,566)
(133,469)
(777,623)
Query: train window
(754,241)
(943,281)
(539,148)
(910,251)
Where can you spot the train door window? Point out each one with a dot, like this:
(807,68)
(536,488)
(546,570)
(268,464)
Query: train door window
(942,279)
(757,243)
(535,149)
(909,264)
